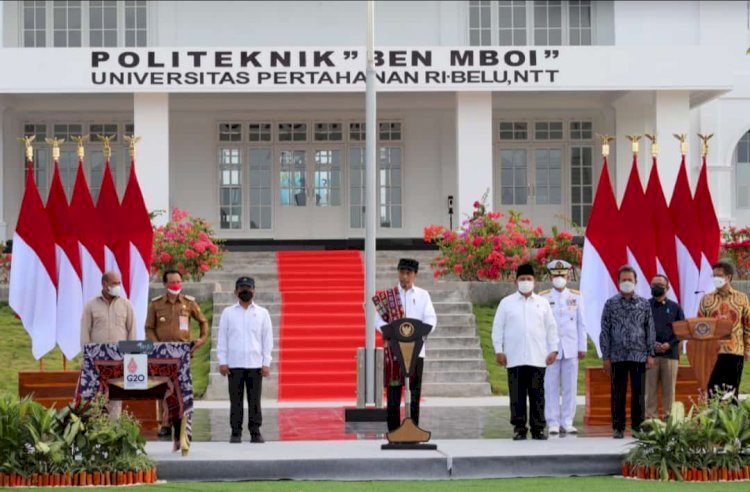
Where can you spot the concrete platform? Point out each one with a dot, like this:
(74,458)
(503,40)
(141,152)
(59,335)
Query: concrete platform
(364,460)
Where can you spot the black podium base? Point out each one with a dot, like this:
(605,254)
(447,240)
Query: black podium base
(365,414)
(409,446)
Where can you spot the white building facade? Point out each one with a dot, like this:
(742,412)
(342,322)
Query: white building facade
(252,113)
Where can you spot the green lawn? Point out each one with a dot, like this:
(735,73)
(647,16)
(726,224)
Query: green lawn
(573,484)
(498,375)
(15,352)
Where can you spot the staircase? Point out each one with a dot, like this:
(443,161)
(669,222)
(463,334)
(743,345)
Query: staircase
(454,365)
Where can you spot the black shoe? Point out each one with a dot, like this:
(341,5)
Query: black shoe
(256,438)
(539,436)
(235,439)
(165,434)
(618,434)
(519,436)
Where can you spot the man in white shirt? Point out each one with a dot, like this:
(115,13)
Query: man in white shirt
(244,352)
(525,337)
(567,307)
(410,302)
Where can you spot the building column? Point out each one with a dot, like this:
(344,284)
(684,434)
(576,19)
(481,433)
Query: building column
(633,116)
(4,235)
(672,116)
(473,151)
(151,120)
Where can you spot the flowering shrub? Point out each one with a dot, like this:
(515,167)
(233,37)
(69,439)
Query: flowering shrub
(4,268)
(185,244)
(484,248)
(558,246)
(736,246)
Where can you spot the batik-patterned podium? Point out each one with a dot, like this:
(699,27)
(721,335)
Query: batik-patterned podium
(168,368)
(405,338)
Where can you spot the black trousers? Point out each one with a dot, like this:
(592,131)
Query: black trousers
(620,373)
(394,398)
(239,380)
(727,373)
(527,382)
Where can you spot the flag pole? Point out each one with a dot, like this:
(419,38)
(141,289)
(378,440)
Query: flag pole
(370,206)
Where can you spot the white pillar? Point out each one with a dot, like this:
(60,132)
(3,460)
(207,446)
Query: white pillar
(672,116)
(3,162)
(151,120)
(473,151)
(633,116)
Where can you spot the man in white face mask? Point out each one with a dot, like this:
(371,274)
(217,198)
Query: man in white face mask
(525,337)
(108,318)
(567,306)
(627,340)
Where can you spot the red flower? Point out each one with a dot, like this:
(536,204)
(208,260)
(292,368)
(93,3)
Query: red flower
(477,204)
(457,268)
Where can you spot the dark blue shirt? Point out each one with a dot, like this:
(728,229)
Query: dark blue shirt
(627,329)
(665,313)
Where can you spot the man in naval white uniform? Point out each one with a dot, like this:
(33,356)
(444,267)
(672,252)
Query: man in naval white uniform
(567,307)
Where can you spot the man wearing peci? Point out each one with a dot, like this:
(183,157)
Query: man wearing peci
(168,320)
(627,342)
(108,318)
(525,338)
(567,307)
(406,300)
(245,343)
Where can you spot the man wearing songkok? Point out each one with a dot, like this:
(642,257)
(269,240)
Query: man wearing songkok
(727,303)
(567,307)
(666,349)
(627,342)
(405,300)
(525,338)
(245,343)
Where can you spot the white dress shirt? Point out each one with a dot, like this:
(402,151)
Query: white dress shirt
(245,337)
(417,304)
(524,330)
(567,307)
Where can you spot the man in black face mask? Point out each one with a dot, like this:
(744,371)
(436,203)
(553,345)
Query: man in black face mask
(664,371)
(244,350)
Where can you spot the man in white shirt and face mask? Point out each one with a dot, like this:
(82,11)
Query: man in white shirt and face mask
(525,337)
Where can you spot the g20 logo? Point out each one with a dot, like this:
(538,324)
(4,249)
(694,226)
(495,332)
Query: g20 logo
(135,378)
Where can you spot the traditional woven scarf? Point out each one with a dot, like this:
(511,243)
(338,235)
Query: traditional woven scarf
(388,305)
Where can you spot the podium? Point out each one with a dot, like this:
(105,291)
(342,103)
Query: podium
(169,378)
(405,338)
(703,336)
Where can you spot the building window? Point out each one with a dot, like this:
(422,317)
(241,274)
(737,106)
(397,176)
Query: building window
(327,178)
(513,177)
(742,172)
(529,22)
(514,130)
(259,132)
(292,183)
(68,130)
(581,130)
(356,187)
(581,183)
(104,129)
(95,23)
(136,23)
(548,130)
(357,132)
(259,179)
(68,169)
(230,132)
(34,24)
(103,23)
(292,132)
(389,131)
(328,132)
(548,176)
(230,188)
(388,186)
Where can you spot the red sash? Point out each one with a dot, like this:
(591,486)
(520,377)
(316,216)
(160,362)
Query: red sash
(388,305)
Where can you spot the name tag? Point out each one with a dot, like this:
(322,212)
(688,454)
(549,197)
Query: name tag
(184,323)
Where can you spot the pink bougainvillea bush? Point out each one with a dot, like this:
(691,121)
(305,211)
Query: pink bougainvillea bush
(186,244)
(735,245)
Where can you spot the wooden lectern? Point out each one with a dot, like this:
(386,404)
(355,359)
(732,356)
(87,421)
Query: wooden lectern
(405,337)
(704,336)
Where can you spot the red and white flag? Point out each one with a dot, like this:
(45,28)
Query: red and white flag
(603,253)
(636,220)
(116,245)
(688,242)
(33,278)
(67,254)
(137,226)
(666,252)
(90,240)
(710,227)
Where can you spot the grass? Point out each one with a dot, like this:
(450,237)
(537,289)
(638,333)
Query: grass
(15,352)
(559,484)
(498,376)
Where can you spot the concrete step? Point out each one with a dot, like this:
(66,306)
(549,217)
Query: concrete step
(468,389)
(452,365)
(453,353)
(452,342)
(454,376)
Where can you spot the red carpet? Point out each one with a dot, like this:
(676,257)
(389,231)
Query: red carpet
(322,324)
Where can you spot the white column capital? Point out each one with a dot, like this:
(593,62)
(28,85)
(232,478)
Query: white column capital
(151,121)
(473,151)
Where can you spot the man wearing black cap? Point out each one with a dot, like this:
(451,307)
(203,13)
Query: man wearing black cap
(244,352)
(403,301)
(525,337)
